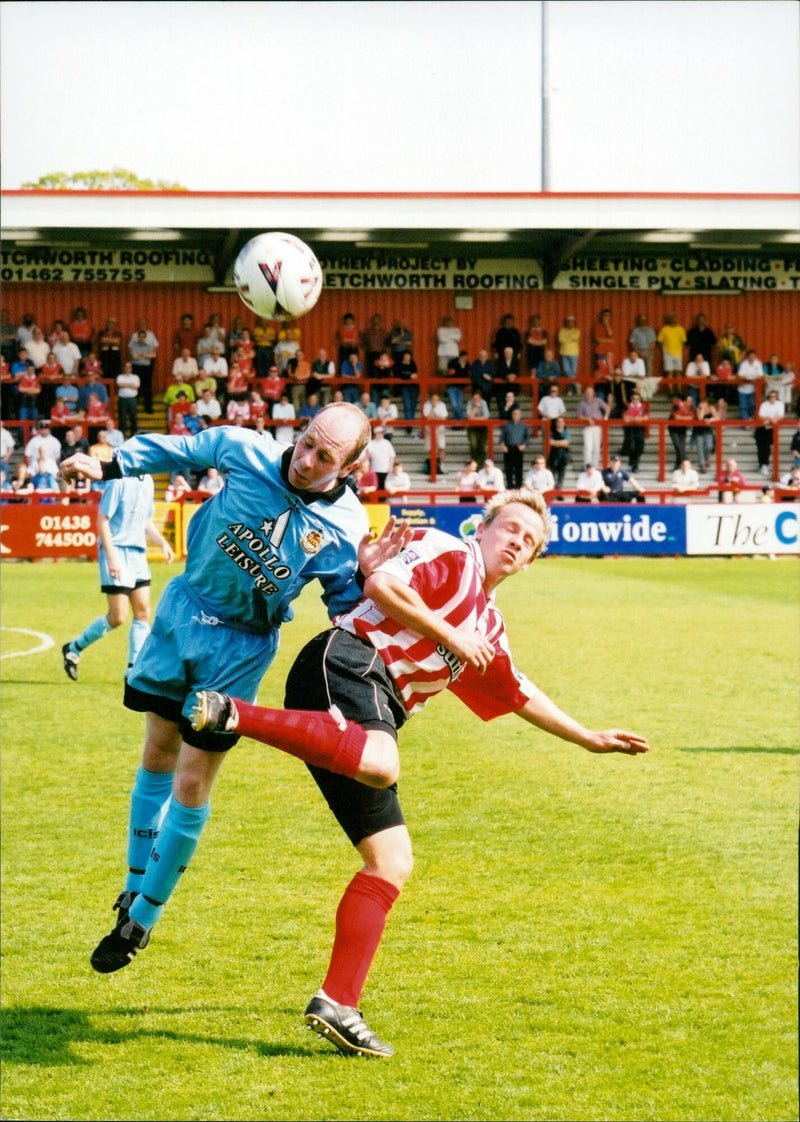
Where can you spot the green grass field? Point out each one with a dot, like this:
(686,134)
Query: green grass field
(584,937)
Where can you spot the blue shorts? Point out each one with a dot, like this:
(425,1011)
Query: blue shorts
(188,650)
(134,571)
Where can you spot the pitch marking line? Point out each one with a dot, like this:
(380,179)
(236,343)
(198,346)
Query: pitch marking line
(46,642)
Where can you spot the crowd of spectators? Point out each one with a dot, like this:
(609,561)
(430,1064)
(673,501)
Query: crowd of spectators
(263,376)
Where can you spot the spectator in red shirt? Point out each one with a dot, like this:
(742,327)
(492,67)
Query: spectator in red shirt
(61,414)
(185,335)
(633,440)
(29,388)
(348,338)
(733,482)
(682,411)
(603,342)
(272,386)
(81,331)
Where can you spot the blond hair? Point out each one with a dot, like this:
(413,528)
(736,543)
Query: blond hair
(532,499)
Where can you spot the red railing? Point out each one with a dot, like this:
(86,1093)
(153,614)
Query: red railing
(657,427)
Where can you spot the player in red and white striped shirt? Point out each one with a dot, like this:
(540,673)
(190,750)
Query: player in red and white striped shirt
(428,622)
(448,575)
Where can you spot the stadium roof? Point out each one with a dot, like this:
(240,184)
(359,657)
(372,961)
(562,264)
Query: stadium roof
(551,227)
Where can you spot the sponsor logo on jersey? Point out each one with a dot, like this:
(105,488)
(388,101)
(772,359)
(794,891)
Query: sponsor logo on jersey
(451,661)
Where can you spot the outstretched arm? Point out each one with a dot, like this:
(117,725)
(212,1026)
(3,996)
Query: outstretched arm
(393,539)
(539,710)
(405,605)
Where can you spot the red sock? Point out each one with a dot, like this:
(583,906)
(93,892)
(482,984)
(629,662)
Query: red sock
(312,736)
(360,920)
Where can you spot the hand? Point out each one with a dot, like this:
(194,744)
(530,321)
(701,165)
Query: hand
(81,466)
(114,566)
(615,740)
(393,539)
(472,649)
(169,553)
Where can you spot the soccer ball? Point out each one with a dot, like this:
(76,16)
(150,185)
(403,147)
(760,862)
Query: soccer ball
(278,276)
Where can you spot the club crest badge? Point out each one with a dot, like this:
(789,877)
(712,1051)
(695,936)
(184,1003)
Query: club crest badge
(312,541)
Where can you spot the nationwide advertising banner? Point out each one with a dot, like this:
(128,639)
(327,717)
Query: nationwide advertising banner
(611,529)
(579,530)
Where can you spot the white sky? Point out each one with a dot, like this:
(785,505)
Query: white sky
(669,95)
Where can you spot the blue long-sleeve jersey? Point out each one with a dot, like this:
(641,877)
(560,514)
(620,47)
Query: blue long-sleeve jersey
(254,546)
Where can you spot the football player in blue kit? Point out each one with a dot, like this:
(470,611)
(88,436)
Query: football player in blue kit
(124,526)
(284,517)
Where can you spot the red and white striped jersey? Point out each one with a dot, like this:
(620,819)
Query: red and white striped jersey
(448,575)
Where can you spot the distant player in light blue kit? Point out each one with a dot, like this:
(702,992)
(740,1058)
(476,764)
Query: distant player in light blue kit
(284,517)
(124,526)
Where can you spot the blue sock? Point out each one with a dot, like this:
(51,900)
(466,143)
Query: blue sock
(149,798)
(139,631)
(173,849)
(96,630)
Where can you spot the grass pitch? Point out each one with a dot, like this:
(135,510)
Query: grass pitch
(584,937)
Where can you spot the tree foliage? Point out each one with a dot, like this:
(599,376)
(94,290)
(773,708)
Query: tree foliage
(118,179)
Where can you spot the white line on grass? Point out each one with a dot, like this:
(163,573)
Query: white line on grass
(46,642)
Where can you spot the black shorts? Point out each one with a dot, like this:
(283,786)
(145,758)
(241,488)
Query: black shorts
(123,590)
(337,668)
(171,710)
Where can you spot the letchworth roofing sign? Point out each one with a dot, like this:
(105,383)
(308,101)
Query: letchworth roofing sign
(392,271)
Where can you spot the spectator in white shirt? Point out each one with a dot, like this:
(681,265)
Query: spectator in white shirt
(685,478)
(387,411)
(215,363)
(634,370)
(208,406)
(43,443)
(751,370)
(38,349)
(540,477)
(552,405)
(186,364)
(448,337)
(283,410)
(490,477)
(590,484)
(67,354)
(697,368)
(398,480)
(435,409)
(381,455)
(770,413)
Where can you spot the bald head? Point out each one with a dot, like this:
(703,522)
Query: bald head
(327,450)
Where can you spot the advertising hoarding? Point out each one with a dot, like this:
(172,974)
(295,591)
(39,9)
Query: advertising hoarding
(727,530)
